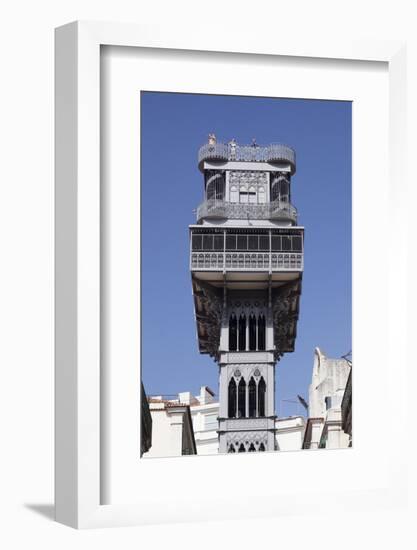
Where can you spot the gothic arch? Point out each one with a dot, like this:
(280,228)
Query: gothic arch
(261,332)
(261,396)
(242,332)
(252,332)
(232,399)
(241,399)
(252,398)
(252,194)
(232,332)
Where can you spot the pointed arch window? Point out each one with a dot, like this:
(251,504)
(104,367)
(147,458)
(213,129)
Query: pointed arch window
(233,333)
(242,332)
(252,398)
(252,195)
(234,195)
(243,194)
(262,447)
(241,448)
(231,449)
(261,195)
(232,399)
(252,448)
(241,398)
(261,333)
(261,397)
(252,332)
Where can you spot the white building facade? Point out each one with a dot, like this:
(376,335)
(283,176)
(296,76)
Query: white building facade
(172,429)
(327,388)
(205,410)
(205,417)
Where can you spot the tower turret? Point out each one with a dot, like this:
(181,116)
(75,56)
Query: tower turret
(246,263)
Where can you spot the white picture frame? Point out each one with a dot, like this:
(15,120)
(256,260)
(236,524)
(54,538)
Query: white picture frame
(79,409)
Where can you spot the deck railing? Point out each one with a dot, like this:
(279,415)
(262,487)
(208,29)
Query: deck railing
(250,261)
(276,210)
(217,152)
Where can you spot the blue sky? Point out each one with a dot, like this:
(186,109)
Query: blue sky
(173,127)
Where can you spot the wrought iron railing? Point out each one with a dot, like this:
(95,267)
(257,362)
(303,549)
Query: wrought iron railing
(252,261)
(277,152)
(276,210)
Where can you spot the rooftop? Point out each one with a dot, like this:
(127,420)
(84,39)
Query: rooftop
(274,153)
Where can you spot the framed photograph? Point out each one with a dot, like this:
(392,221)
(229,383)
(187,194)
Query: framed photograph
(223,284)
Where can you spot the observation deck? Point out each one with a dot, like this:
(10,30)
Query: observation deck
(277,153)
(246,253)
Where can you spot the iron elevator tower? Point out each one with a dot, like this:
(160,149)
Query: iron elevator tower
(246,262)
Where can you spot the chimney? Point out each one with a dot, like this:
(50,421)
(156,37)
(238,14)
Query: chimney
(206,395)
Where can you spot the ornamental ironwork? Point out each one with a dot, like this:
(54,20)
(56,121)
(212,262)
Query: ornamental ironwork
(276,210)
(224,152)
(252,261)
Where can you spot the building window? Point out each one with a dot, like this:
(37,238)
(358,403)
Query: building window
(247,196)
(252,332)
(234,196)
(262,447)
(232,399)
(197,242)
(233,333)
(261,397)
(261,333)
(264,242)
(231,449)
(242,332)
(230,241)
(252,448)
(252,398)
(241,405)
(241,448)
(261,195)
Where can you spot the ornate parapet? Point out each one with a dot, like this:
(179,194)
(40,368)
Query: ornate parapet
(246,261)
(281,153)
(246,357)
(218,209)
(217,152)
(224,152)
(246,424)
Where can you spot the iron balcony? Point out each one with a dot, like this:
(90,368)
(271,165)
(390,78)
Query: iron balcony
(276,210)
(224,152)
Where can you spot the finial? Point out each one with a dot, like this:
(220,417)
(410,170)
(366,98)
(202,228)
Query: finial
(212,139)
